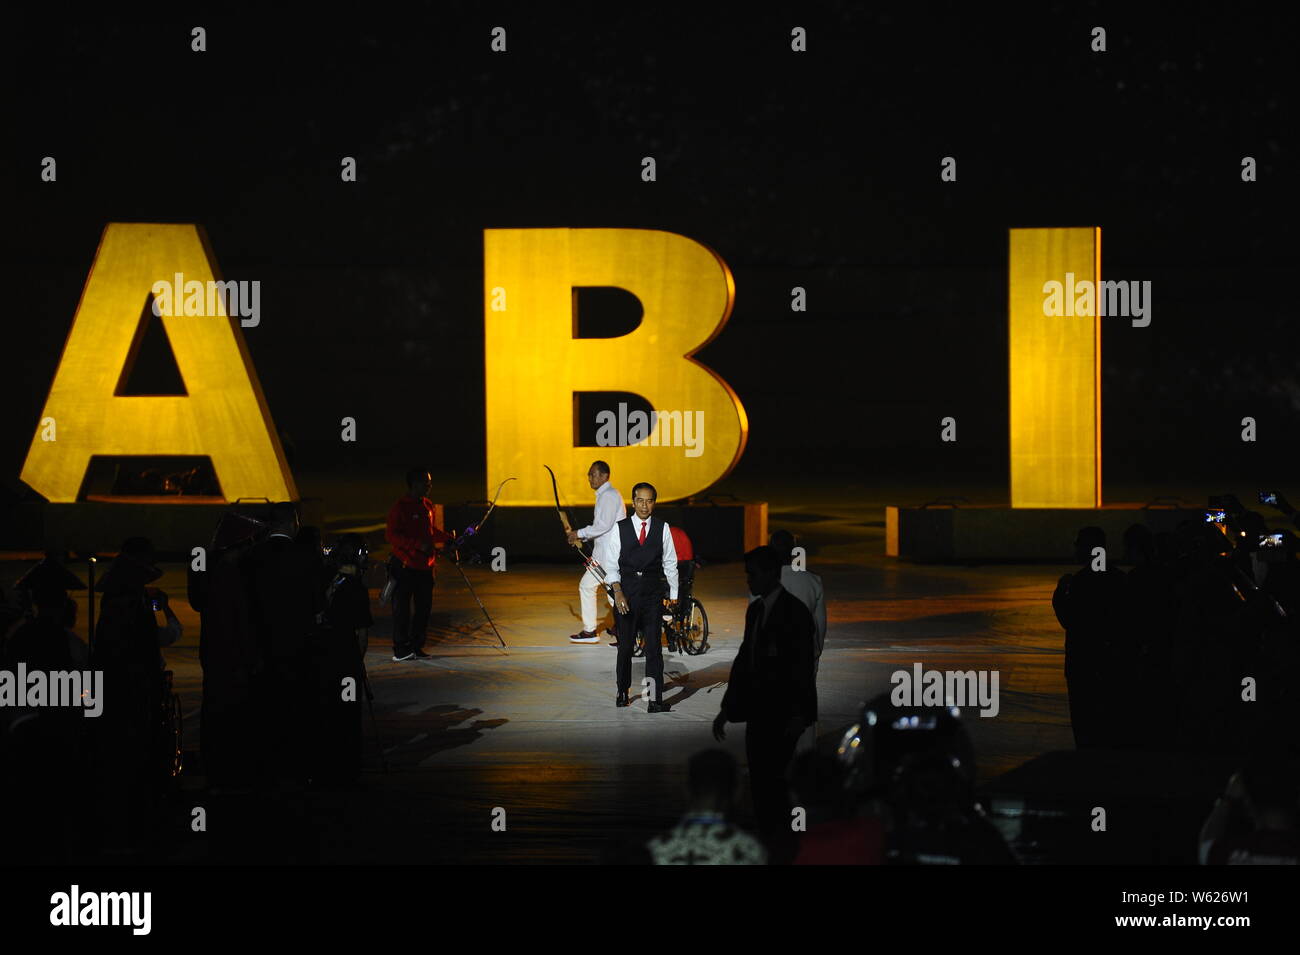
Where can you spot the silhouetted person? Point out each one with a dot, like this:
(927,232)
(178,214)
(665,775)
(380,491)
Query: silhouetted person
(44,750)
(772,688)
(1089,604)
(128,649)
(340,671)
(45,640)
(414,539)
(706,835)
(285,595)
(1211,602)
(804,584)
(228,654)
(1145,642)
(807,586)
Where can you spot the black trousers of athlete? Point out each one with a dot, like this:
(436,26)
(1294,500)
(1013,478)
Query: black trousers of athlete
(412,601)
(646,615)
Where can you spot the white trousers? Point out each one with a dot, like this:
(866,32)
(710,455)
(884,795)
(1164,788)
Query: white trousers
(587,588)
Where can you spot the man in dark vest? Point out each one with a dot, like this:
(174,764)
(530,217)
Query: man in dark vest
(641,559)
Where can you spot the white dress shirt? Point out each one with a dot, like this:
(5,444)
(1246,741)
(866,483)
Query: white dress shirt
(615,548)
(610,509)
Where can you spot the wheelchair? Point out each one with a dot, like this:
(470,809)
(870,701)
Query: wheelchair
(170,730)
(687,627)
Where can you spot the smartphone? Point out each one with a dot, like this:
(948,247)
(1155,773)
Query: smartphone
(1270,540)
(1215,515)
(1268,497)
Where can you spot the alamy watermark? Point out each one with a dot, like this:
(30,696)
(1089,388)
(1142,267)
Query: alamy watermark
(668,429)
(242,300)
(25,688)
(920,687)
(74,907)
(1086,299)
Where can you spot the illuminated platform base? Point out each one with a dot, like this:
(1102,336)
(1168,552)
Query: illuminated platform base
(1005,533)
(720,532)
(175,528)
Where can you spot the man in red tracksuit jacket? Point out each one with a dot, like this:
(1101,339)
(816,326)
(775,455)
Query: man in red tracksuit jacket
(413,538)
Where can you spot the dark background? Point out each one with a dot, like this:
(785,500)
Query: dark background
(818,169)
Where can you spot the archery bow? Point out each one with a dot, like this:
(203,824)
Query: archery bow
(473,529)
(469,532)
(592,564)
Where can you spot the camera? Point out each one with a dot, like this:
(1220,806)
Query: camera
(1268,497)
(1215,515)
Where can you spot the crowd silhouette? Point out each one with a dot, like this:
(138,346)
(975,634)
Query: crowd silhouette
(283,626)
(1182,641)
(1191,647)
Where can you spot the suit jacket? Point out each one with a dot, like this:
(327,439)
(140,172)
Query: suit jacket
(772,677)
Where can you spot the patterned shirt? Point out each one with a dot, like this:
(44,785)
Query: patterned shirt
(706,840)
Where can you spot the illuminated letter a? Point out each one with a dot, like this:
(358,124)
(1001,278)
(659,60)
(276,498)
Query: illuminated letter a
(223,414)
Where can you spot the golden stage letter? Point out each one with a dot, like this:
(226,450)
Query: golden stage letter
(1055,368)
(535,365)
(222,415)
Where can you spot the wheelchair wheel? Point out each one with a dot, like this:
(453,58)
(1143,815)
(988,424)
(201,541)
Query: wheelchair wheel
(171,729)
(178,737)
(693,632)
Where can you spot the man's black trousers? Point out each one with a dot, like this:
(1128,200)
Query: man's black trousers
(412,600)
(645,615)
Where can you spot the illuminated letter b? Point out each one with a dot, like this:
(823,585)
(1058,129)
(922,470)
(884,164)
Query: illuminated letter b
(535,365)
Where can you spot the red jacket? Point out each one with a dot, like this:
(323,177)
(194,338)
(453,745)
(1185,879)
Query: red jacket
(410,525)
(681,543)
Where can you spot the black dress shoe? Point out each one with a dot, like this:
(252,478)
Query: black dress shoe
(621,699)
(656,707)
